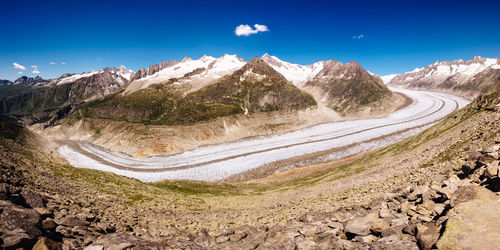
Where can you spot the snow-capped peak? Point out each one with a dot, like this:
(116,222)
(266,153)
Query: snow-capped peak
(458,71)
(295,73)
(124,72)
(75,77)
(197,72)
(387,78)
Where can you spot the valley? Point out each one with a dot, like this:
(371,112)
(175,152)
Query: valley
(220,161)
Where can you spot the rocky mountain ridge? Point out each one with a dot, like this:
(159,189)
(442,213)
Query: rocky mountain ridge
(50,100)
(452,76)
(344,88)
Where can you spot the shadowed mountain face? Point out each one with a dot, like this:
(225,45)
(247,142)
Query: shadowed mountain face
(256,87)
(348,87)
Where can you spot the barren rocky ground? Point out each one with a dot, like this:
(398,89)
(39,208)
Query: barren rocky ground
(424,192)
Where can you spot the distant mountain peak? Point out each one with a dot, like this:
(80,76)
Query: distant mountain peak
(259,67)
(447,75)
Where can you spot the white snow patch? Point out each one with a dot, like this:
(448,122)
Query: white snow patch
(75,77)
(213,69)
(294,73)
(387,78)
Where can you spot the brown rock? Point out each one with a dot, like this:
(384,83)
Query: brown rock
(71,221)
(46,244)
(467,193)
(393,242)
(32,199)
(417,192)
(309,230)
(4,191)
(18,225)
(49,224)
(361,225)
(439,208)
(306,244)
(123,241)
(492,169)
(473,222)
(381,227)
(426,208)
(427,235)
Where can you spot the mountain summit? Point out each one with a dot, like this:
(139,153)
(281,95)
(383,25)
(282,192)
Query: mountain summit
(345,88)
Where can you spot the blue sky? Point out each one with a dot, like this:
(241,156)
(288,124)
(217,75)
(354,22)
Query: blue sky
(397,36)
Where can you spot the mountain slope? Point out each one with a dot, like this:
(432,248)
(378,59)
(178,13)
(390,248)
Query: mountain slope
(56,97)
(454,76)
(197,73)
(345,88)
(255,87)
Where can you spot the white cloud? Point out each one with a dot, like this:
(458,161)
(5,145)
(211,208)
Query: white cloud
(63,63)
(35,69)
(358,36)
(53,63)
(246,30)
(20,73)
(19,66)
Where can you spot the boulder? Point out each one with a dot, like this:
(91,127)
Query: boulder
(71,221)
(473,222)
(4,191)
(381,227)
(393,242)
(309,230)
(46,244)
(18,225)
(122,241)
(467,193)
(439,208)
(360,225)
(417,192)
(492,169)
(33,199)
(306,244)
(49,224)
(427,235)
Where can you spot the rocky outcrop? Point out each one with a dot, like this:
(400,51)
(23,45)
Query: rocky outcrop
(141,73)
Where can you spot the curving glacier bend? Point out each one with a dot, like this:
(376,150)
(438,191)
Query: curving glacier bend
(217,162)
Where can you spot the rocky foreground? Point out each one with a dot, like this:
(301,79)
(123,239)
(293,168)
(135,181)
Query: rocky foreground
(459,212)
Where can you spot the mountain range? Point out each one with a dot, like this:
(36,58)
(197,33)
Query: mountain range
(338,89)
(211,100)
(466,78)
